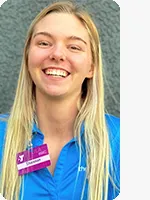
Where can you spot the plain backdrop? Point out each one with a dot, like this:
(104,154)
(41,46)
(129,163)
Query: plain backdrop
(16,16)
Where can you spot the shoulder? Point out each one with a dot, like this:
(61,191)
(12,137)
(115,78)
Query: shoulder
(113,122)
(3,122)
(113,126)
(3,126)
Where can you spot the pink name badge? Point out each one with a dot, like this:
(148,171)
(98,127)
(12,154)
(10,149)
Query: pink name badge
(33,159)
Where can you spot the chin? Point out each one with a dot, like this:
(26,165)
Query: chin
(56,94)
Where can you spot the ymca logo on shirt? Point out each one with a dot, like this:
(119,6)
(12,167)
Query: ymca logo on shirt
(81,169)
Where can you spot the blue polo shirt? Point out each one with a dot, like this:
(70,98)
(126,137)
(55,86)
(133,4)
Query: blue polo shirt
(69,176)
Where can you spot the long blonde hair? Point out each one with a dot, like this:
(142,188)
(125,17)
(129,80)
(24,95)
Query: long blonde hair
(19,128)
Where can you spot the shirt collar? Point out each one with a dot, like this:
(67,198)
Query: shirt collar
(35,129)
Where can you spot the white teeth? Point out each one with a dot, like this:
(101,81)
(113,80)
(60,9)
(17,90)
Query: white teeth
(55,72)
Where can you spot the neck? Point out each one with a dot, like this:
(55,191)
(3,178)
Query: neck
(56,117)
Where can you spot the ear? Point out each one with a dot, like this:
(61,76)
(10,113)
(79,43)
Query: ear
(91,72)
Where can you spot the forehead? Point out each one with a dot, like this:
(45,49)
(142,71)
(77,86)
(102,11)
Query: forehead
(62,24)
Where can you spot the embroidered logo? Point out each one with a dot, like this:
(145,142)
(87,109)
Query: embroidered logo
(81,169)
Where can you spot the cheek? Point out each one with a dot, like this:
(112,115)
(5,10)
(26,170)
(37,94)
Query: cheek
(81,63)
(36,58)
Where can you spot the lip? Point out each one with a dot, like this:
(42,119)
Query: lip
(55,78)
(57,68)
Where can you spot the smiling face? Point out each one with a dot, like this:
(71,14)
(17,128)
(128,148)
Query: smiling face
(59,56)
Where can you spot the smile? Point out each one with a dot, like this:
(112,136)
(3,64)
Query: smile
(56,72)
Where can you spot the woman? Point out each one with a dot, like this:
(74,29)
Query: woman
(59,102)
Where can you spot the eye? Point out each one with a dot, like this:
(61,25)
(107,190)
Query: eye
(75,48)
(44,44)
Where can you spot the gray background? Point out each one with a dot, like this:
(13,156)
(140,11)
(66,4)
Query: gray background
(16,16)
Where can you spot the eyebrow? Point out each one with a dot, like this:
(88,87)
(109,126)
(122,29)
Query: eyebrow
(69,38)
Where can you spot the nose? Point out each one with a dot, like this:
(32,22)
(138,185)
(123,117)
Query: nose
(57,53)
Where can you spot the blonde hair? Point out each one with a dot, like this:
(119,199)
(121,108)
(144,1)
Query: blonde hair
(19,128)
